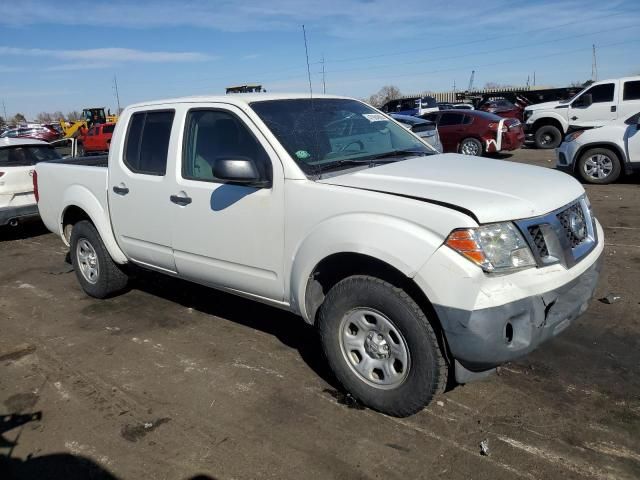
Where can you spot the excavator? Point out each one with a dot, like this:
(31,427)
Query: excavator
(90,117)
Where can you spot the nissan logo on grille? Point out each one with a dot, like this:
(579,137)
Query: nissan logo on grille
(577,225)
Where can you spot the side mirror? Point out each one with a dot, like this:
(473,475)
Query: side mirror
(586,100)
(240,171)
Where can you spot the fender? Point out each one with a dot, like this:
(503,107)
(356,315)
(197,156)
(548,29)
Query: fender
(404,245)
(81,197)
(539,115)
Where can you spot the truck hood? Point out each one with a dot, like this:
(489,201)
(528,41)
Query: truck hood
(543,106)
(489,190)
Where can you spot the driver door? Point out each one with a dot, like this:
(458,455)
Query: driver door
(603,108)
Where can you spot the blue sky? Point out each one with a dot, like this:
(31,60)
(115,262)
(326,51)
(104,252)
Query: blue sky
(63,55)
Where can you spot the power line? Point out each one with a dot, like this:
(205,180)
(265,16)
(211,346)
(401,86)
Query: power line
(473,42)
(484,52)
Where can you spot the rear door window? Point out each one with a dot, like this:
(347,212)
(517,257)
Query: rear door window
(631,90)
(448,119)
(25,156)
(147,143)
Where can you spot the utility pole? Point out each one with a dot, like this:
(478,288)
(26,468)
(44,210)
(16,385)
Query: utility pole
(4,109)
(534,78)
(594,65)
(115,86)
(324,85)
(528,78)
(473,74)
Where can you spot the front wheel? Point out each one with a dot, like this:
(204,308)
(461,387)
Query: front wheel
(380,346)
(599,166)
(98,275)
(548,137)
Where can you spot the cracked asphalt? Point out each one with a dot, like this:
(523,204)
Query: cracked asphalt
(175,381)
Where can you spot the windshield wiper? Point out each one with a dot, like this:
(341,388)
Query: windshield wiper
(371,160)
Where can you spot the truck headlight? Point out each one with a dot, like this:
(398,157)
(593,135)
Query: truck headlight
(495,247)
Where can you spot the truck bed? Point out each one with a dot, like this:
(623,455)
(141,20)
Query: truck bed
(83,178)
(88,161)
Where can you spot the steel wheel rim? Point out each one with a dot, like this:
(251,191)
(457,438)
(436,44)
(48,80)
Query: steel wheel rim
(547,139)
(374,348)
(598,166)
(470,148)
(88,261)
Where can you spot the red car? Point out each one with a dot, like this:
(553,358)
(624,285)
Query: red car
(96,140)
(505,108)
(43,132)
(474,132)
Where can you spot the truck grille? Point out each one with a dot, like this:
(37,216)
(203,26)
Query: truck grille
(574,214)
(538,240)
(563,236)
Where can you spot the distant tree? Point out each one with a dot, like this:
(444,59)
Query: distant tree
(495,86)
(2,121)
(386,93)
(73,116)
(18,118)
(57,115)
(43,117)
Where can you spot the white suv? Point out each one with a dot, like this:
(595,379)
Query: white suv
(601,155)
(17,159)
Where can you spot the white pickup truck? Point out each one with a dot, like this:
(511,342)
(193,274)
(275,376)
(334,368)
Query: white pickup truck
(413,265)
(598,104)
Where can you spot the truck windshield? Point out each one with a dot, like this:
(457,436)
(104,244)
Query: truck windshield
(329,134)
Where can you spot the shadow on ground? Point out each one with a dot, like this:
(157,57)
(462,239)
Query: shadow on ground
(288,328)
(57,466)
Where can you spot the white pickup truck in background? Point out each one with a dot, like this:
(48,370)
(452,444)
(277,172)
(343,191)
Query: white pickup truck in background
(413,265)
(596,105)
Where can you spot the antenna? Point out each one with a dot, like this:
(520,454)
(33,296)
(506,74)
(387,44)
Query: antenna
(115,86)
(306,51)
(324,84)
(594,65)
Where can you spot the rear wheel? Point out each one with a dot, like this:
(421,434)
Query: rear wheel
(471,146)
(548,137)
(599,166)
(381,346)
(98,275)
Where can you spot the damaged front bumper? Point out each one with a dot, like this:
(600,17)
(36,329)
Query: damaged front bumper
(480,340)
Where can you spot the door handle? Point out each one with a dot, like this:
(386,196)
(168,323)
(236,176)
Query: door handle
(574,118)
(180,200)
(613,108)
(120,189)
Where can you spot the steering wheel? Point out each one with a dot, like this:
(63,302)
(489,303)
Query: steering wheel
(355,142)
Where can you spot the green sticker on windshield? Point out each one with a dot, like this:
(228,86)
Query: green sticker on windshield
(302,154)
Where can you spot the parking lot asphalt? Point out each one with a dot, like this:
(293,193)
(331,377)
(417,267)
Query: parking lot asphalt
(171,381)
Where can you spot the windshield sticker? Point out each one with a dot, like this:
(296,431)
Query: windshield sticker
(375,117)
(303,154)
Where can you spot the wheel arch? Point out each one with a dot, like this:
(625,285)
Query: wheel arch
(605,145)
(80,204)
(545,121)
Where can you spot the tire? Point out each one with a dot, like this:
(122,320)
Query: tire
(348,310)
(98,275)
(548,137)
(599,166)
(471,146)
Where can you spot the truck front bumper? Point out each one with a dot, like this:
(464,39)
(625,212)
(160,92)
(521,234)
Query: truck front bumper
(488,320)
(483,339)
(18,213)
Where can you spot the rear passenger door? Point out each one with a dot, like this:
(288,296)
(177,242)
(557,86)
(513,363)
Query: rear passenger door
(228,235)
(139,187)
